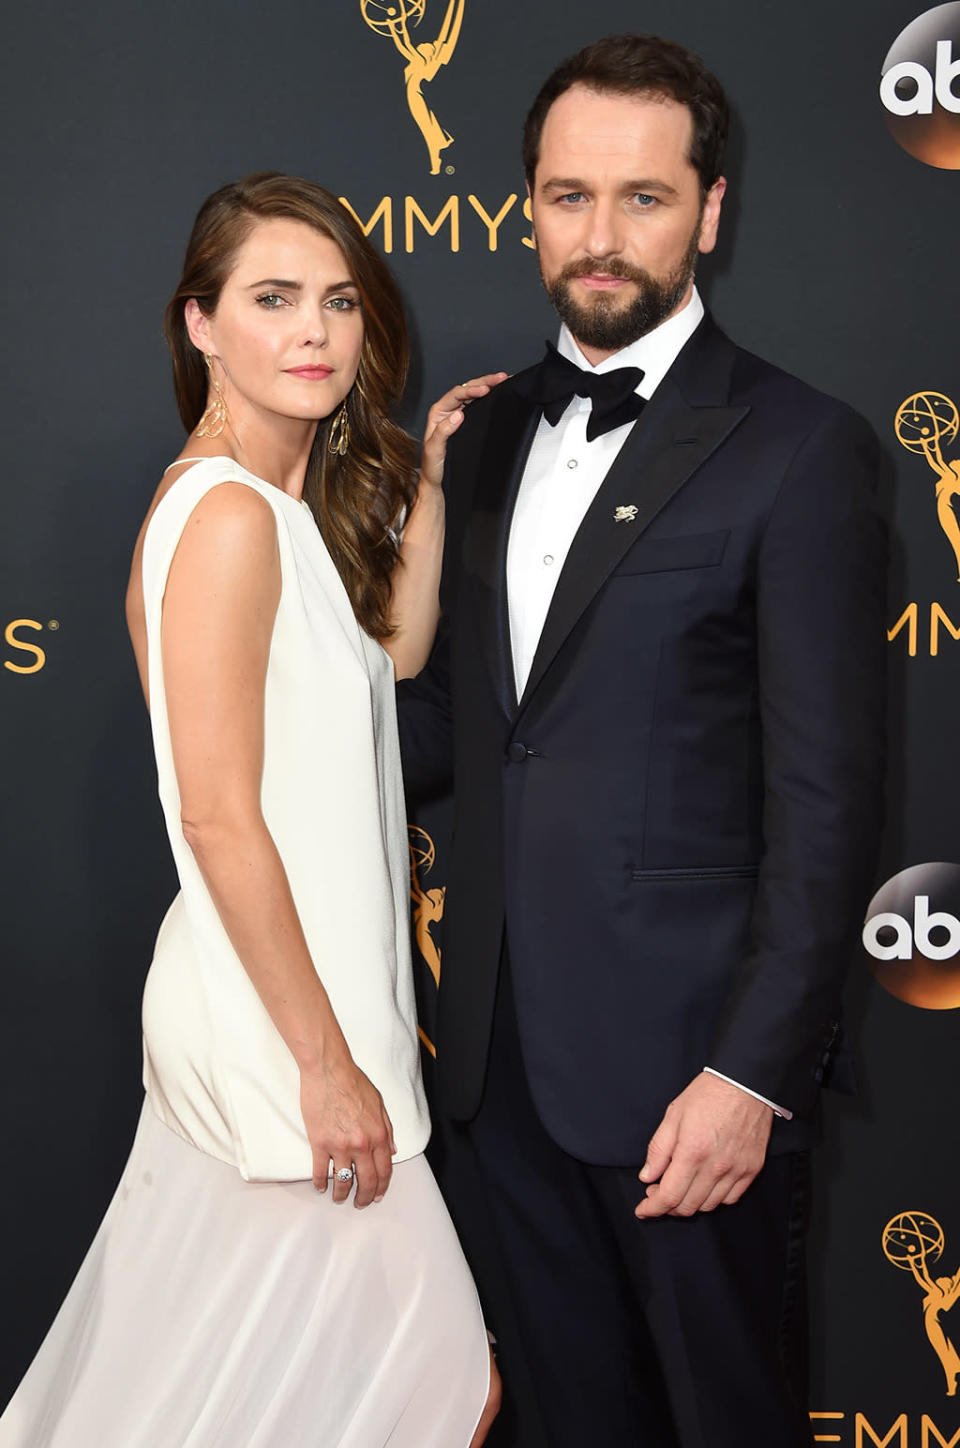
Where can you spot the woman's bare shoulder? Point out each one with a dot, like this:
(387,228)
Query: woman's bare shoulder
(232,525)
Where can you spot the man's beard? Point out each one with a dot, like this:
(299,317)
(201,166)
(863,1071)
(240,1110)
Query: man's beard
(601,323)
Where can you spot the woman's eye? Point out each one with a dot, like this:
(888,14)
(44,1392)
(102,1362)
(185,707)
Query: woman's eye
(343,304)
(271,301)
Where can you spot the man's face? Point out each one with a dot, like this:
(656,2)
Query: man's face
(618,216)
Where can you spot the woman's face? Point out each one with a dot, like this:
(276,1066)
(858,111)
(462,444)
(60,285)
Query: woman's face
(288,327)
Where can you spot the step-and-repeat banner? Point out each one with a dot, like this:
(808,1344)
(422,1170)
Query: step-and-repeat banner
(838,261)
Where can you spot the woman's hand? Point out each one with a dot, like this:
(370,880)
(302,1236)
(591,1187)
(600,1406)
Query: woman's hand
(445,417)
(347,1124)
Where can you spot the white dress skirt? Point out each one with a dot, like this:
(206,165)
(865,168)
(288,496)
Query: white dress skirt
(212,1312)
(225,1303)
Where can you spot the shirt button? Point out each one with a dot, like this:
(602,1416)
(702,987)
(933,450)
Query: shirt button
(548,558)
(572,463)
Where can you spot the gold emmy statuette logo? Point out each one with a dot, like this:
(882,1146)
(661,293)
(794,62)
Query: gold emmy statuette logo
(422,61)
(427,907)
(924,422)
(911,1241)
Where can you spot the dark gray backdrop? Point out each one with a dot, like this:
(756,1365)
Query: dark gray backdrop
(837,261)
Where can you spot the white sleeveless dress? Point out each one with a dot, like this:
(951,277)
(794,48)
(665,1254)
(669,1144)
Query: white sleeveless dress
(224,1303)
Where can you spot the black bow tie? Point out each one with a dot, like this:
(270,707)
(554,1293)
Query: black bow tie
(614,396)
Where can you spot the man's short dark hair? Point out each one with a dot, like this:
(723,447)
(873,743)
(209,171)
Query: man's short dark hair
(641,65)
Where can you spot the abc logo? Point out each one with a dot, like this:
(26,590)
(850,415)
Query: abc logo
(920,88)
(912,936)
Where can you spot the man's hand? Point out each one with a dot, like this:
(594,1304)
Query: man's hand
(706,1151)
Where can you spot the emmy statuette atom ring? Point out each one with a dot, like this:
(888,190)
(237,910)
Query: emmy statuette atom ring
(344,1174)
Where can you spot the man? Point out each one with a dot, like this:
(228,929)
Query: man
(658,687)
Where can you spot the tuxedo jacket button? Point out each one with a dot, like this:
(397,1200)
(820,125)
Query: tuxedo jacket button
(517,752)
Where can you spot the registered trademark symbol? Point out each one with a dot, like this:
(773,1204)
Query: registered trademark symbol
(53,624)
(450,170)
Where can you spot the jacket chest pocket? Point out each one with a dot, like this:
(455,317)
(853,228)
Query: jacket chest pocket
(702,872)
(667,555)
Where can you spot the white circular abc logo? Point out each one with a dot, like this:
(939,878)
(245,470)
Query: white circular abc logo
(912,936)
(920,87)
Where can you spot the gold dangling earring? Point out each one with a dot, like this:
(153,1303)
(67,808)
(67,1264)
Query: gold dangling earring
(214,419)
(339,439)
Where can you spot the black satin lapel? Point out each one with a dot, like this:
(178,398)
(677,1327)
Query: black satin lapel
(671,440)
(509,436)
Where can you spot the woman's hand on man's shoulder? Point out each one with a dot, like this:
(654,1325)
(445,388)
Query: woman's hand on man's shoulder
(443,419)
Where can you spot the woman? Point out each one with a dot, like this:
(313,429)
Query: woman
(224,1301)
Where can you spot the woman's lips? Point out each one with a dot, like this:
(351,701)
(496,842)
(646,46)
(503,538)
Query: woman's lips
(310,374)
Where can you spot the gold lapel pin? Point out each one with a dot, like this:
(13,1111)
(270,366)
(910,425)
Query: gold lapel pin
(625,514)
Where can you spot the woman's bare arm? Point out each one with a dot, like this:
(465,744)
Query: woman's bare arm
(221,600)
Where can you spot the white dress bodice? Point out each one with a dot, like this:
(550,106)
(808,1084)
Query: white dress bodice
(216,1069)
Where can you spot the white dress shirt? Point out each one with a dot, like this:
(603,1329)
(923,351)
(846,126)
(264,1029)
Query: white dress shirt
(562,476)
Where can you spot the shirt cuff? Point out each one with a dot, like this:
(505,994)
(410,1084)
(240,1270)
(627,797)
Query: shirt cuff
(777,1110)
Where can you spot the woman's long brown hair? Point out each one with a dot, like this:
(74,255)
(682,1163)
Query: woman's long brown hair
(361,498)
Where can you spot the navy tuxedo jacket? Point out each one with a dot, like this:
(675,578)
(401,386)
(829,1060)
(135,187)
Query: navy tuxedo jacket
(677,824)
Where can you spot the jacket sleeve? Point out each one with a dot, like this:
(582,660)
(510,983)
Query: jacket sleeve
(821,592)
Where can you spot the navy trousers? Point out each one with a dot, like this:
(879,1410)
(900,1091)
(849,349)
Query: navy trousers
(670,1333)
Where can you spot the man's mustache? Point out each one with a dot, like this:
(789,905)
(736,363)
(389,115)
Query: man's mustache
(588,266)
